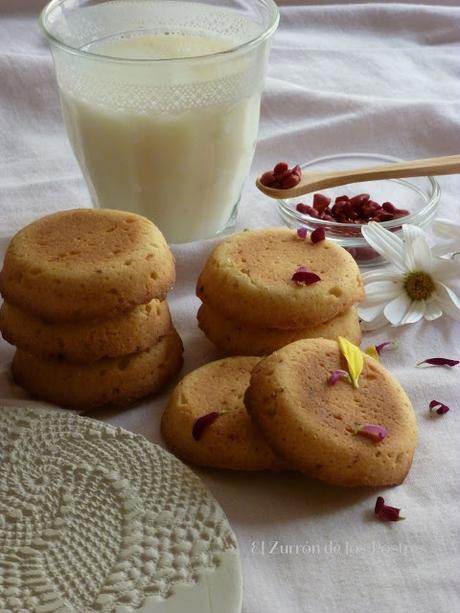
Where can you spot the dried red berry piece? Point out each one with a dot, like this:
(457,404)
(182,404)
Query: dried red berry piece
(320,202)
(303,208)
(202,423)
(289,181)
(363,253)
(359,209)
(280,168)
(268,178)
(383,216)
(297,170)
(387,206)
(282,177)
(359,199)
(318,235)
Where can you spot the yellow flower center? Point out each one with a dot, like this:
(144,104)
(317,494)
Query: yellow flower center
(419,285)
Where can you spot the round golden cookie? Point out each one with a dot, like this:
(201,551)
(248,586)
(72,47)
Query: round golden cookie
(111,381)
(86,341)
(86,264)
(232,440)
(234,338)
(312,424)
(248,277)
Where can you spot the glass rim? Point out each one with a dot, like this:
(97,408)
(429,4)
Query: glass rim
(273,11)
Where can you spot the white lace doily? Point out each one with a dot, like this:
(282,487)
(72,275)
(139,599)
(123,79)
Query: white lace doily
(96,518)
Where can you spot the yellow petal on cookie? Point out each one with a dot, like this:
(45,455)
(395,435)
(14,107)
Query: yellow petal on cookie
(354,358)
(372,351)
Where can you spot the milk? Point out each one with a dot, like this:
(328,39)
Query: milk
(180,163)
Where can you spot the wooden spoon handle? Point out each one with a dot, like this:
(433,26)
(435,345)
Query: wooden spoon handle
(312,181)
(446,165)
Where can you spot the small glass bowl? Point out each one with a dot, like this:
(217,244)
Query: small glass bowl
(419,195)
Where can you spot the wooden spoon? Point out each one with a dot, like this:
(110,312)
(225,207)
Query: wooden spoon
(312,181)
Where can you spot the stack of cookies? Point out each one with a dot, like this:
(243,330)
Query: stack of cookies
(254,302)
(282,412)
(85,306)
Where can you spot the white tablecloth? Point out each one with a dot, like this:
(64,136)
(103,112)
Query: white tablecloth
(376,77)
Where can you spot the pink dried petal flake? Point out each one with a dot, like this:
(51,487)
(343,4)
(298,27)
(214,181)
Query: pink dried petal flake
(386,345)
(302,233)
(202,423)
(374,432)
(336,375)
(386,513)
(439,362)
(438,407)
(302,275)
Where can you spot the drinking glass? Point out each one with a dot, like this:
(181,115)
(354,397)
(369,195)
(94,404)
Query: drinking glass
(161,102)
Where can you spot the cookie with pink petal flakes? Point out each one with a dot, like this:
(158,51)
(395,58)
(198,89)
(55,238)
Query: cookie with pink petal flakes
(317,426)
(206,422)
(249,278)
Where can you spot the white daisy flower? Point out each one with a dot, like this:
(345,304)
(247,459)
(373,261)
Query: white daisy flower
(446,228)
(419,285)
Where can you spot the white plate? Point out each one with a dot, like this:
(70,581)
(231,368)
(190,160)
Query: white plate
(96,518)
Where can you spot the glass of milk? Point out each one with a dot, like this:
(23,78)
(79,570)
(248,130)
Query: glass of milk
(161,102)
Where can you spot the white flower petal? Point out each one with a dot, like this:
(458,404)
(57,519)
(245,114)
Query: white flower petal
(386,243)
(448,300)
(432,309)
(419,253)
(415,312)
(381,290)
(376,323)
(446,271)
(411,233)
(446,228)
(371,311)
(396,310)
(446,248)
(381,275)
